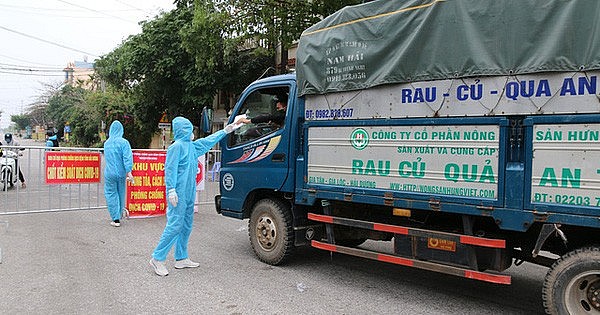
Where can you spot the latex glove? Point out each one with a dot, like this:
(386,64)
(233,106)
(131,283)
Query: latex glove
(173,199)
(231,127)
(130,178)
(239,121)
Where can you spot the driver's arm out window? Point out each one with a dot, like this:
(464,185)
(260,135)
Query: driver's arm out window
(258,103)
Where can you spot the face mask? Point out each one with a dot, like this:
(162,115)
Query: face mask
(192,136)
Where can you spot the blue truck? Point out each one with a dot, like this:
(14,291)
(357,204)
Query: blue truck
(463,134)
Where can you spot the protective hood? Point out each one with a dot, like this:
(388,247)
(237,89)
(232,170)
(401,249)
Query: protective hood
(117,152)
(182,128)
(116,130)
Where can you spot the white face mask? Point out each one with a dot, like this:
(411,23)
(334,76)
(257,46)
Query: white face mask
(192,136)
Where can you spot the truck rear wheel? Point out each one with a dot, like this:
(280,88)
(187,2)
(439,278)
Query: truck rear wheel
(572,286)
(271,232)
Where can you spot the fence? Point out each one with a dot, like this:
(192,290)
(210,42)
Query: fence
(38,196)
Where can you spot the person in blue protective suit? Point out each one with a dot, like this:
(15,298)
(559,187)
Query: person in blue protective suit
(119,163)
(51,139)
(181,166)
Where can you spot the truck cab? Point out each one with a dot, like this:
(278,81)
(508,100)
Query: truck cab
(257,159)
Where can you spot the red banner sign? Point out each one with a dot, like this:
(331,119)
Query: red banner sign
(72,167)
(146,196)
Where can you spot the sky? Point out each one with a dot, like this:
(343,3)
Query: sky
(38,38)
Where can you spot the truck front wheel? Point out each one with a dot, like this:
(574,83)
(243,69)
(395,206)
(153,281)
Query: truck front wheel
(572,286)
(271,232)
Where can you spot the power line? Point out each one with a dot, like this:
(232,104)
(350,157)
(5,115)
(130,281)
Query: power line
(129,5)
(28,70)
(47,41)
(53,68)
(28,61)
(45,14)
(51,12)
(31,74)
(57,9)
(96,11)
(35,8)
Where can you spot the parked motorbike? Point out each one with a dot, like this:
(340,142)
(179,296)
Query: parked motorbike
(8,169)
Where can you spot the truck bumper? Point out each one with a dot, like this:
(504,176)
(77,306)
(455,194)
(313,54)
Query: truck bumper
(232,214)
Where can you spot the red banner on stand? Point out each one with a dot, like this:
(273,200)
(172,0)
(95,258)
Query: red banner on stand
(146,197)
(72,167)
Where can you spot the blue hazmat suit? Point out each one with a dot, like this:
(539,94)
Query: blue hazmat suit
(118,162)
(181,166)
(51,140)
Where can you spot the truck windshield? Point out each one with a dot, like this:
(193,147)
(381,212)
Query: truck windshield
(266,109)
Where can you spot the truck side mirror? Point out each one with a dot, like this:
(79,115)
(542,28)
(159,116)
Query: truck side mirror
(207,118)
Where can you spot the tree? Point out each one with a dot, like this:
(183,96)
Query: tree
(279,23)
(37,110)
(85,110)
(62,105)
(107,106)
(37,113)
(21,121)
(220,55)
(158,72)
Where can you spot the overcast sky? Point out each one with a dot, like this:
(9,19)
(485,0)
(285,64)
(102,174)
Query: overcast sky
(39,37)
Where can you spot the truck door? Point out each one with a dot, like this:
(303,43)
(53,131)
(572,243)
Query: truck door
(257,156)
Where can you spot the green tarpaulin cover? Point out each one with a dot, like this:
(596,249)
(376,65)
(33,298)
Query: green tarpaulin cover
(387,41)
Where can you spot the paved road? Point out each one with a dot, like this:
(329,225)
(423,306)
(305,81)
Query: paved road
(76,263)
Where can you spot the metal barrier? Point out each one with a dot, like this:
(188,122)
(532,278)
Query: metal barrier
(41,197)
(211,186)
(38,197)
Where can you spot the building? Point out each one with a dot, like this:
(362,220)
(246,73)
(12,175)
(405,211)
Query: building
(80,73)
